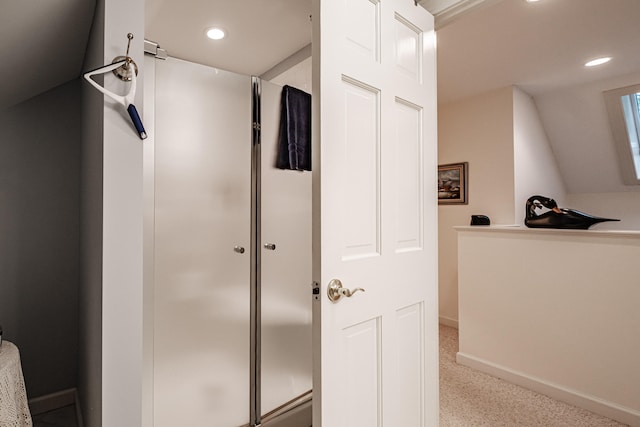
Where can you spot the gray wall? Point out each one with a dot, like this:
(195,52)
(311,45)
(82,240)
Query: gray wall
(39,235)
(90,297)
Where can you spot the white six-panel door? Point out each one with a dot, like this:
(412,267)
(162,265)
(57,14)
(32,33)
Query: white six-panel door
(375,207)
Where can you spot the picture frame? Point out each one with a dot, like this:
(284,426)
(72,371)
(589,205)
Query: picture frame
(453,184)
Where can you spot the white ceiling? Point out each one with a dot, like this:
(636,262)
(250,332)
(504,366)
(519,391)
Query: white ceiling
(261,33)
(539,46)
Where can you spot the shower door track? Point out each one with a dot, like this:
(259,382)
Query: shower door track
(284,408)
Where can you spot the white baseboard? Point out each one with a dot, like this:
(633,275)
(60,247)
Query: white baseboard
(50,402)
(447,321)
(573,397)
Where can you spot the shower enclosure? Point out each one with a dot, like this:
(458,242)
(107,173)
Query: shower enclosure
(232,252)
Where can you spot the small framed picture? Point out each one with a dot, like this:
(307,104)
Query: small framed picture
(452,183)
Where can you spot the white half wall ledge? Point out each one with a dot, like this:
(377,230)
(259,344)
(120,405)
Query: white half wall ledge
(634,234)
(554,311)
(556,391)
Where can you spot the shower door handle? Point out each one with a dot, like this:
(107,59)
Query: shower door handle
(335,291)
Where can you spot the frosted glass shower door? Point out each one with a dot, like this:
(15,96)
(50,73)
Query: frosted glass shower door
(286,269)
(202,212)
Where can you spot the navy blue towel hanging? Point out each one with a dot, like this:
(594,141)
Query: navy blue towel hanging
(294,145)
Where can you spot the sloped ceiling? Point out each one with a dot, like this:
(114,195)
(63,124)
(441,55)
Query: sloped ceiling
(42,45)
(541,47)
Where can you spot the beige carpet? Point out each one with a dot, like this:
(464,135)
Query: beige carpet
(470,398)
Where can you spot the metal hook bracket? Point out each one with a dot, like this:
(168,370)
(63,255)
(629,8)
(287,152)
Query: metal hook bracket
(124,72)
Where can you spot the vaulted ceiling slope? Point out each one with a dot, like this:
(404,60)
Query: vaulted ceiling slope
(542,47)
(42,45)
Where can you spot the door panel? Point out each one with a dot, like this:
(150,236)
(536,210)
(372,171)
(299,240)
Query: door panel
(202,211)
(409,360)
(375,223)
(363,382)
(409,186)
(361,165)
(408,48)
(362,28)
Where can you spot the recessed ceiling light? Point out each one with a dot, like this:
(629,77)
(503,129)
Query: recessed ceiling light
(598,61)
(216,33)
(532,1)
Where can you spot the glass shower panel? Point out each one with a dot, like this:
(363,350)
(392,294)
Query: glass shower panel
(202,246)
(286,269)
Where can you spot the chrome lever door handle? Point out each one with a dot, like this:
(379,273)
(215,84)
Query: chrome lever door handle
(335,291)
(347,293)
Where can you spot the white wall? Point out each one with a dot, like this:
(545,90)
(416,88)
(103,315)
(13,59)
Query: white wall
(535,169)
(122,285)
(478,130)
(624,206)
(510,159)
(112,271)
(298,76)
